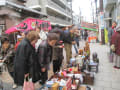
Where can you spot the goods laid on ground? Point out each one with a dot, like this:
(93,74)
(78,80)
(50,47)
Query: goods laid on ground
(81,70)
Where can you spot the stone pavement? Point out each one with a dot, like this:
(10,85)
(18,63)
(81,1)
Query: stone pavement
(107,78)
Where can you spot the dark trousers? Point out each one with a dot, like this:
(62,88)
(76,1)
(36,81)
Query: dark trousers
(85,38)
(0,70)
(44,77)
(56,65)
(11,74)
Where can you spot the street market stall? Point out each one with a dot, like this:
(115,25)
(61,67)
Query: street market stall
(77,76)
(29,24)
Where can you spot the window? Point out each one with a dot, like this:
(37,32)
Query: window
(2,28)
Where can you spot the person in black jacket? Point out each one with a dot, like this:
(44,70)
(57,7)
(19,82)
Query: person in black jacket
(85,35)
(22,63)
(68,41)
(45,55)
(57,51)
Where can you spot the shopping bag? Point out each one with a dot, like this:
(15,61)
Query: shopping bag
(1,85)
(28,85)
(111,57)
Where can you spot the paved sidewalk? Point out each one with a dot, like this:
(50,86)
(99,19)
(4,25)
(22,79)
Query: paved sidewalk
(107,78)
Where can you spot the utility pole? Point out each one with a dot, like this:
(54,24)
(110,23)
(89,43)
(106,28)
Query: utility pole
(96,12)
(79,15)
(92,11)
(102,23)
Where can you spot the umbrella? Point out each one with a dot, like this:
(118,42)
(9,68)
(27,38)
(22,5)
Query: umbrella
(11,30)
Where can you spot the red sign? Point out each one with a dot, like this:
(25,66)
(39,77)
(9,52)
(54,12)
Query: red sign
(89,25)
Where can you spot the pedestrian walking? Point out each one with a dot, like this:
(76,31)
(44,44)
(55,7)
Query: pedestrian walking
(111,30)
(111,39)
(23,61)
(117,50)
(85,35)
(77,37)
(45,55)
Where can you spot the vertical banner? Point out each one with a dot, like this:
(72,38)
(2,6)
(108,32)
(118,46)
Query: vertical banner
(101,29)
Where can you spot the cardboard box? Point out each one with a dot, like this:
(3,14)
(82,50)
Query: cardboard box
(55,86)
(88,79)
(82,88)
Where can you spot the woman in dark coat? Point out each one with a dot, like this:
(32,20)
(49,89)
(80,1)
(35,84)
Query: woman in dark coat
(23,62)
(117,50)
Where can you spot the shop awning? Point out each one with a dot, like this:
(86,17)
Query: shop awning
(29,24)
(89,29)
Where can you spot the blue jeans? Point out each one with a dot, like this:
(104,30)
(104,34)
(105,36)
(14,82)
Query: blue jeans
(76,49)
(77,42)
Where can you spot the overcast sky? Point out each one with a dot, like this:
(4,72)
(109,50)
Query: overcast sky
(85,6)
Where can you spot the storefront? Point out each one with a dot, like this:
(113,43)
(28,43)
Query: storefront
(92,30)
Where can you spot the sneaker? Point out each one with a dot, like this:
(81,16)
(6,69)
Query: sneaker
(118,67)
(14,86)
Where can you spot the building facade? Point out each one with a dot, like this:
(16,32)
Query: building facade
(58,11)
(110,12)
(76,19)
(12,12)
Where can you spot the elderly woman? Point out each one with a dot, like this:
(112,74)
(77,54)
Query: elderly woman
(117,49)
(23,61)
(7,55)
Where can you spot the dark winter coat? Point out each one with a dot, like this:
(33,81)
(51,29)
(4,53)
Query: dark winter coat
(117,44)
(44,54)
(57,52)
(68,37)
(8,57)
(24,58)
(113,38)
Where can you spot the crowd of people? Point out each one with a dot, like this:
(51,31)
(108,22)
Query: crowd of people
(114,40)
(35,50)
